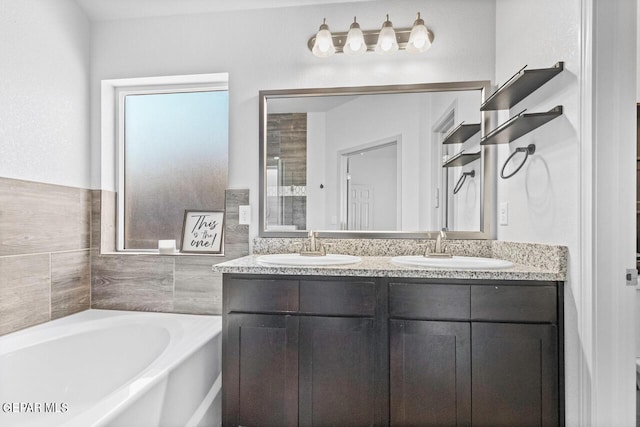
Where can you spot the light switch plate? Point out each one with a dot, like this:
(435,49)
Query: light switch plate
(244,215)
(504,213)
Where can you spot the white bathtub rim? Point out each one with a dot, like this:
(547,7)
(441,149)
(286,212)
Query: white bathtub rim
(113,403)
(69,325)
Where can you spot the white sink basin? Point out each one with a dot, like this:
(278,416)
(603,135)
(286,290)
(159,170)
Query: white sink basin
(297,259)
(461,262)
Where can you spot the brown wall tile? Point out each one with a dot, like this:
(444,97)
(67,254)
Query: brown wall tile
(70,283)
(107,224)
(24,291)
(236,240)
(198,290)
(96,200)
(132,282)
(38,218)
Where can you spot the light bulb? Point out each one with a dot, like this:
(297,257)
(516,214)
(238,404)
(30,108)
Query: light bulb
(419,40)
(323,45)
(355,44)
(387,42)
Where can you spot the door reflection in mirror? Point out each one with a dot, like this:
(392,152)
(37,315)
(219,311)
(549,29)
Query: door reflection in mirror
(371,187)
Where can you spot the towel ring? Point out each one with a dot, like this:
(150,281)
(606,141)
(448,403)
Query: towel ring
(463,177)
(528,150)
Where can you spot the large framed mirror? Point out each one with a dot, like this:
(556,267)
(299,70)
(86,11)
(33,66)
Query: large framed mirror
(401,161)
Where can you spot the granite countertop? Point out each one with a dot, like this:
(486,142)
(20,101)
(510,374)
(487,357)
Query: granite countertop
(381,266)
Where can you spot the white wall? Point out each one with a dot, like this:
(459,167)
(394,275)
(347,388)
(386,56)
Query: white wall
(44,88)
(272,54)
(579,188)
(543,197)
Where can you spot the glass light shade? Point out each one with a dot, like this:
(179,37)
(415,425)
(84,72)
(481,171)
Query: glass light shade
(323,46)
(355,44)
(387,42)
(419,38)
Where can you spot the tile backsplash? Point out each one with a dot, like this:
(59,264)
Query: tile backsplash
(51,264)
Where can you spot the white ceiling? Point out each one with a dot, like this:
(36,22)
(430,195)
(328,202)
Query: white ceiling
(105,10)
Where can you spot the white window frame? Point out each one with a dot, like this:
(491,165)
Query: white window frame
(121,88)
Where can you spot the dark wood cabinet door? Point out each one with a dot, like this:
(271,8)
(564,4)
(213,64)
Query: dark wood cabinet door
(260,367)
(430,373)
(514,375)
(338,375)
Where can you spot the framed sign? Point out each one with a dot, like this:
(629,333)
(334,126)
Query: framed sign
(202,232)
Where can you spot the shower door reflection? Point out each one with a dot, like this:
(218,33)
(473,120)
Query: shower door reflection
(286,201)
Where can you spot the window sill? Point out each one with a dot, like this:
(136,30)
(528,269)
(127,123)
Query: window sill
(156,253)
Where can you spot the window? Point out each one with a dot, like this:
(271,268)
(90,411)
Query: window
(172,156)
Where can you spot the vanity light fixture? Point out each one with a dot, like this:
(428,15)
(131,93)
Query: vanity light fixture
(323,42)
(419,40)
(387,42)
(355,42)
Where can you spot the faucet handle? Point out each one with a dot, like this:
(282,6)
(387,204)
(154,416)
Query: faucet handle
(324,247)
(427,246)
(312,247)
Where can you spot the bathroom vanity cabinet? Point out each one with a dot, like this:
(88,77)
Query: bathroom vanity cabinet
(483,354)
(351,351)
(306,352)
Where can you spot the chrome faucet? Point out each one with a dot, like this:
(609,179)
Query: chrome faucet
(439,238)
(438,251)
(313,245)
(315,248)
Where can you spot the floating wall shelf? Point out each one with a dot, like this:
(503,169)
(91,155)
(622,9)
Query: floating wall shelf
(519,125)
(522,84)
(461,133)
(461,159)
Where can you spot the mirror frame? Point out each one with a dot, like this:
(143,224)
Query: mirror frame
(487,160)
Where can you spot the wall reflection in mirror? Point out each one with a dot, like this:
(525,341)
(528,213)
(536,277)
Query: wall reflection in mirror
(354,160)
